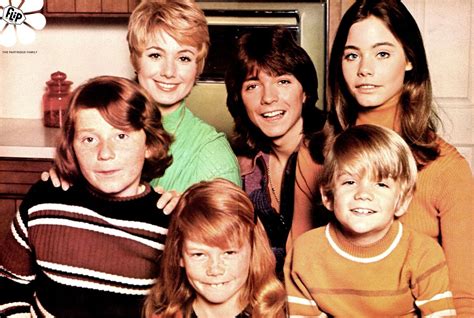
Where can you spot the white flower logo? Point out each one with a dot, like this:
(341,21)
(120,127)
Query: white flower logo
(20,17)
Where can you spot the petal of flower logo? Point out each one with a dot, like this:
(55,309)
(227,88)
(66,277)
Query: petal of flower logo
(20,19)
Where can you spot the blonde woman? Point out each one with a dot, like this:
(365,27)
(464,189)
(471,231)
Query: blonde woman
(168,42)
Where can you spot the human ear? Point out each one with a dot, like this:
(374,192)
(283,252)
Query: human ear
(147,153)
(403,207)
(408,66)
(327,201)
(181,262)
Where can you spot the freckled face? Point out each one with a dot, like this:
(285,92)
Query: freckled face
(110,159)
(365,208)
(218,275)
(274,104)
(167,70)
(374,64)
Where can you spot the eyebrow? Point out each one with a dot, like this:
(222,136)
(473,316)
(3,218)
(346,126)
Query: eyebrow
(342,173)
(179,52)
(353,47)
(153,47)
(254,77)
(85,129)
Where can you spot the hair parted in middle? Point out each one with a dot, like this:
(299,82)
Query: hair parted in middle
(217,213)
(276,52)
(373,151)
(183,20)
(124,105)
(418,118)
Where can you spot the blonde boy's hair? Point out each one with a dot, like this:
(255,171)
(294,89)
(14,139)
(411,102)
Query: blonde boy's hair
(374,151)
(183,20)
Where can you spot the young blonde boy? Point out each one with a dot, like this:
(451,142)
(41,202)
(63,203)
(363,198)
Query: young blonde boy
(365,263)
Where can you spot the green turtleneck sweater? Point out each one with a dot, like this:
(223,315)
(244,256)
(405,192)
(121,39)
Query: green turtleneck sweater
(199,152)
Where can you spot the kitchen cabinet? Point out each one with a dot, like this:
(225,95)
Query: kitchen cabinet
(88,8)
(16,178)
(104,8)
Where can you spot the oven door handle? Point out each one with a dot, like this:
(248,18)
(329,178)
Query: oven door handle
(243,21)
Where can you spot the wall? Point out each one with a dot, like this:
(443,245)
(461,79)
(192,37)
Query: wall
(448,34)
(80,52)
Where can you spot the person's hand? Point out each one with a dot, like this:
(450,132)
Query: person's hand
(55,179)
(168,199)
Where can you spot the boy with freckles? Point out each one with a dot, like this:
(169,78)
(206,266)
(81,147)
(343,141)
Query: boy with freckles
(365,263)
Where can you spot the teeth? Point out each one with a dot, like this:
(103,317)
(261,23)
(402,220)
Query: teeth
(273,114)
(217,285)
(366,86)
(363,211)
(167,86)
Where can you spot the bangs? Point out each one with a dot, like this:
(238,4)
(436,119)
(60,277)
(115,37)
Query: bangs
(254,67)
(370,151)
(182,30)
(118,107)
(224,236)
(116,114)
(222,230)
(374,166)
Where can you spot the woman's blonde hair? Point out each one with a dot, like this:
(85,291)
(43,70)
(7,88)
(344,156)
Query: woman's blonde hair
(216,213)
(183,20)
(374,151)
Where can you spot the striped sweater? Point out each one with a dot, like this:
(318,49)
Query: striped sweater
(79,254)
(442,208)
(404,275)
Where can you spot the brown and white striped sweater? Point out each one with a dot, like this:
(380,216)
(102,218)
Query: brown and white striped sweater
(79,254)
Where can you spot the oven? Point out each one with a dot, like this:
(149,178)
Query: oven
(227,20)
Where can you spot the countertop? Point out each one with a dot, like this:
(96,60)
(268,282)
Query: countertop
(27,138)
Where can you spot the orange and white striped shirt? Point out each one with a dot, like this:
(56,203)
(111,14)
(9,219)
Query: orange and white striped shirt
(404,275)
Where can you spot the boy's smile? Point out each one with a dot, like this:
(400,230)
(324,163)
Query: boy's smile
(365,208)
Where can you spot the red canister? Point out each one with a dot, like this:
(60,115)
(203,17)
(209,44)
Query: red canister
(55,99)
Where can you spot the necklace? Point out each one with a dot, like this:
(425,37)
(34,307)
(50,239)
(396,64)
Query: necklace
(271,184)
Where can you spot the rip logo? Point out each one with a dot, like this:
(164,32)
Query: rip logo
(20,19)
